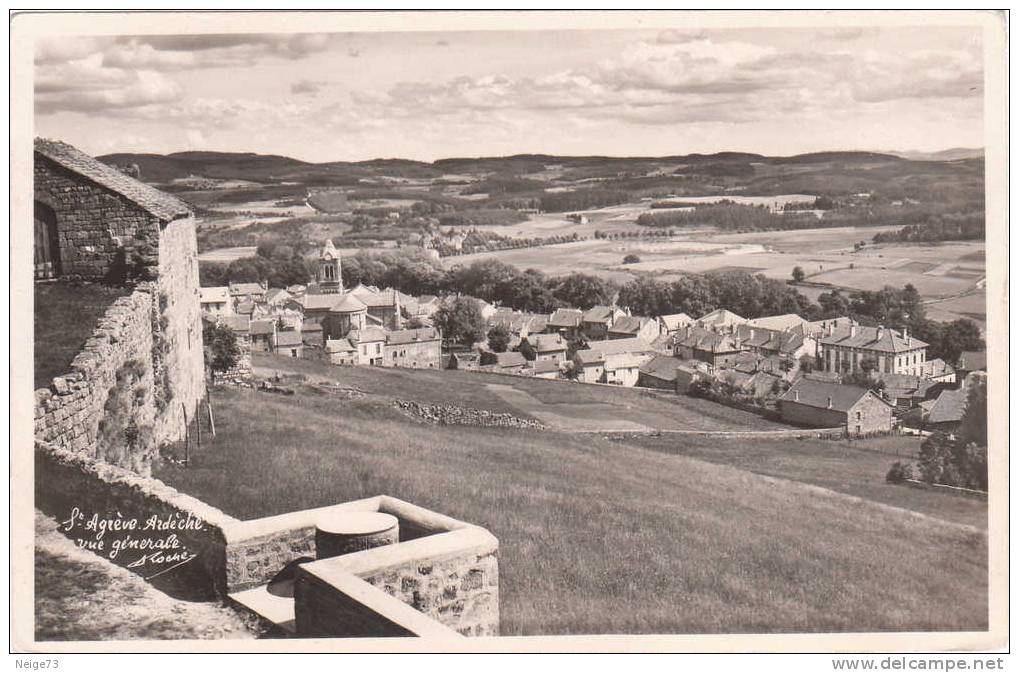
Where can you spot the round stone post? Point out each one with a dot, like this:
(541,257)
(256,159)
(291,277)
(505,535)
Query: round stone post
(348,532)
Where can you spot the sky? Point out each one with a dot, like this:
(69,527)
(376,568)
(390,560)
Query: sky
(428,95)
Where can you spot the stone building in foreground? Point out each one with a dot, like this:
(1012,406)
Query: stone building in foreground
(94,223)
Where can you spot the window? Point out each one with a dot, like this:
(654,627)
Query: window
(859,415)
(293,352)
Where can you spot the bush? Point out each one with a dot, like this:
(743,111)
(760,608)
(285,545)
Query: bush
(631,259)
(899,472)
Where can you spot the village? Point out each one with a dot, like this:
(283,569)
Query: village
(830,373)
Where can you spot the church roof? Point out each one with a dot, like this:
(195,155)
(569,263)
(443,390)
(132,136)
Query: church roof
(347,303)
(329,250)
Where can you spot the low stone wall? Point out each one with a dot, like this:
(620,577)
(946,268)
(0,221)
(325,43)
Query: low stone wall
(451,414)
(443,568)
(134,521)
(452,578)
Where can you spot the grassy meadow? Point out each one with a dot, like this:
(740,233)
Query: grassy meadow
(598,536)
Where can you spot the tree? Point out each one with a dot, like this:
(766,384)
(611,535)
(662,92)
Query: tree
(527,350)
(798,274)
(461,321)
(631,259)
(222,352)
(974,418)
(498,339)
(583,290)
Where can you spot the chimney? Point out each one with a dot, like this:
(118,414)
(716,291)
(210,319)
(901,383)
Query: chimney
(852,330)
(829,402)
(751,333)
(796,396)
(880,332)
(905,335)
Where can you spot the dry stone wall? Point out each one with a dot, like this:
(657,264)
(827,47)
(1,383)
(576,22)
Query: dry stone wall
(98,230)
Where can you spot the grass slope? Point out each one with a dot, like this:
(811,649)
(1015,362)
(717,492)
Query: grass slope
(600,537)
(578,406)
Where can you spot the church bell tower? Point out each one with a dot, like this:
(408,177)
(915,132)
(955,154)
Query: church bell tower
(329,279)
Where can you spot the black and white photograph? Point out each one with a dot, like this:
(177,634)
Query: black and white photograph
(448,327)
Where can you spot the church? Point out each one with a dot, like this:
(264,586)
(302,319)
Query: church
(340,311)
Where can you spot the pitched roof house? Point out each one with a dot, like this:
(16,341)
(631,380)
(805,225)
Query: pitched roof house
(827,405)
(648,329)
(720,318)
(674,321)
(699,343)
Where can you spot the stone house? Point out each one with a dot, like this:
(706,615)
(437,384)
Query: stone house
(660,372)
(94,223)
(547,369)
(627,326)
(565,321)
(791,343)
(289,343)
(415,348)
(699,343)
(370,343)
(510,362)
(672,323)
(622,369)
(827,405)
(341,352)
(548,347)
(891,352)
(464,360)
(245,292)
(720,320)
(263,335)
(597,320)
(215,300)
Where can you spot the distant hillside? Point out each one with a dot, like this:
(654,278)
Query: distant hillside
(828,173)
(953,154)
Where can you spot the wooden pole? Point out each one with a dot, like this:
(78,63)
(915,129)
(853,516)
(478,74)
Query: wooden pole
(212,421)
(198,425)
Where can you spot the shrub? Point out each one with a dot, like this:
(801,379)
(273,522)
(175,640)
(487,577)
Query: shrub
(899,472)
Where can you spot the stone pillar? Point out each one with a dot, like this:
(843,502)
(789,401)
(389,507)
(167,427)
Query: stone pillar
(350,532)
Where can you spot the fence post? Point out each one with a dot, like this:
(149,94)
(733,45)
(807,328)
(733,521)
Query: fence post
(212,421)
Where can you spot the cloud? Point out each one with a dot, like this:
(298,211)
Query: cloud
(293,46)
(442,43)
(142,88)
(306,86)
(353,53)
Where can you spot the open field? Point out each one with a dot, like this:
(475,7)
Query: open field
(855,467)
(227,254)
(560,404)
(81,596)
(597,536)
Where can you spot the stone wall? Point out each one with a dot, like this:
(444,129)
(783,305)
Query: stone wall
(461,592)
(150,342)
(181,358)
(68,413)
(68,483)
(97,229)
